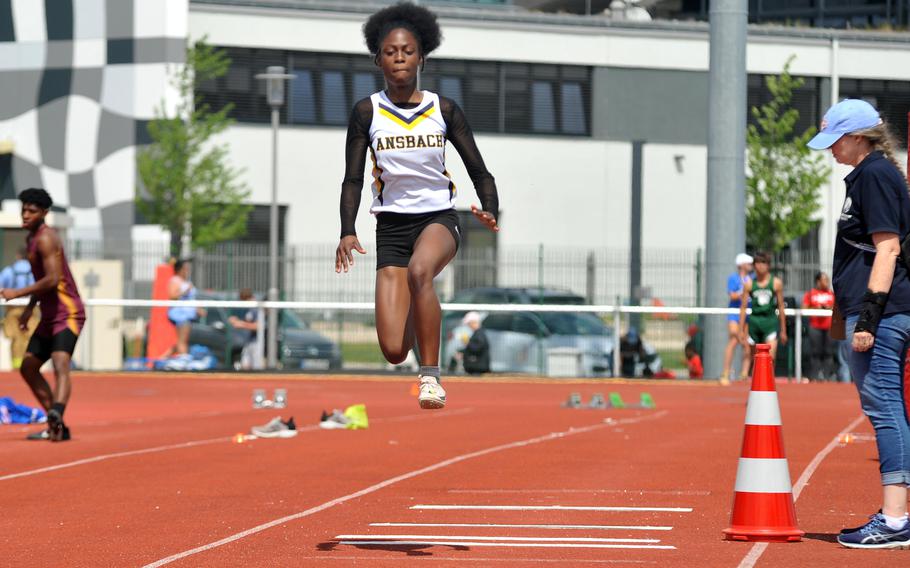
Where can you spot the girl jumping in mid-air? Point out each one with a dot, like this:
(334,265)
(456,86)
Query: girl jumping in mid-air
(417,232)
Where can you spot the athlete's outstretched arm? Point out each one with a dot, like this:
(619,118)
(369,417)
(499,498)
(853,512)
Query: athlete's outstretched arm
(460,134)
(355,159)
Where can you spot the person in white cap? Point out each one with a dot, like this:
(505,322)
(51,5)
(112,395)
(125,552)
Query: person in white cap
(735,284)
(459,339)
(872,291)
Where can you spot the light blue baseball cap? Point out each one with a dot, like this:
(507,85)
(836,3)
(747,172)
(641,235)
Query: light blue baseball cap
(849,115)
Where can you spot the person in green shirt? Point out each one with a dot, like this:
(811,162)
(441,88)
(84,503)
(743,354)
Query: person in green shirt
(763,325)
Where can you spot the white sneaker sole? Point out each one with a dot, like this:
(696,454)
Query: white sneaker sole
(431,403)
(332,425)
(280,434)
(903,545)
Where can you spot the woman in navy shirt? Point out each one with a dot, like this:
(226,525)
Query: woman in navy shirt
(872,291)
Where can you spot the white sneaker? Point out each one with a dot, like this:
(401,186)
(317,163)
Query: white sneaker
(432,395)
(276,428)
(334,421)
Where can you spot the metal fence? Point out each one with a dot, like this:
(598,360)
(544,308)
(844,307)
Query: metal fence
(307,272)
(337,336)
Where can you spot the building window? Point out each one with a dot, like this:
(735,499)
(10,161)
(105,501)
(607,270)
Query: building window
(806,100)
(496,97)
(891,98)
(302,101)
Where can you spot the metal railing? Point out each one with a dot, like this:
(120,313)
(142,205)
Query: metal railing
(614,313)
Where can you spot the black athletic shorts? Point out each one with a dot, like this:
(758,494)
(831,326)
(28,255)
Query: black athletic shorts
(396,234)
(42,346)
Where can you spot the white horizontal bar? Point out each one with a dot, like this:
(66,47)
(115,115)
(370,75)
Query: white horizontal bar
(512,526)
(763,409)
(759,475)
(548,508)
(491,538)
(369,306)
(508,544)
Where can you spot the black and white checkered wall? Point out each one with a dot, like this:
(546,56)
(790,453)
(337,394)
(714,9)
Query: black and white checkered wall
(79,80)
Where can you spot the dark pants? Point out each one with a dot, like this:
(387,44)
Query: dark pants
(821,352)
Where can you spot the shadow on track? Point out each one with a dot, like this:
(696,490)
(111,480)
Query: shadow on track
(825,537)
(408,549)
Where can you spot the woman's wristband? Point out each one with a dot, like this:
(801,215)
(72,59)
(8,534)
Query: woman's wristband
(871,314)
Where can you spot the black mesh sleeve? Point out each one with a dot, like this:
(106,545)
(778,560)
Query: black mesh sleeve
(355,159)
(459,133)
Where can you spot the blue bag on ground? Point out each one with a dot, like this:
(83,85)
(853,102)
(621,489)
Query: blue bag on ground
(199,358)
(12,412)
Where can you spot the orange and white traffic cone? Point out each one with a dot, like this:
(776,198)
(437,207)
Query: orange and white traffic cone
(763,504)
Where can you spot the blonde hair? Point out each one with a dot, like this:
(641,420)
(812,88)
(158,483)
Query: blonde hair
(882,140)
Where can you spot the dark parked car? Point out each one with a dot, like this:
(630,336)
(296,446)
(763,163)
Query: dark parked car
(298,346)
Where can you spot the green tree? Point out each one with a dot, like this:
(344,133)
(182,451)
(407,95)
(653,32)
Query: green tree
(188,186)
(784,175)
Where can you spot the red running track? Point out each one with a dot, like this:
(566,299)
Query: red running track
(503,477)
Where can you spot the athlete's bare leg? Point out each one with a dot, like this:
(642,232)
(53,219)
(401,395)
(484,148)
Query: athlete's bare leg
(434,249)
(732,341)
(183,339)
(406,302)
(31,372)
(393,317)
(64,387)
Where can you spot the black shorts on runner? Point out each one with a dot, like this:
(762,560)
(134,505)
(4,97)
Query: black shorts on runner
(396,234)
(42,346)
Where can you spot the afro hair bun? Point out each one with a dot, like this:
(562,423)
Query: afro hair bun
(416,19)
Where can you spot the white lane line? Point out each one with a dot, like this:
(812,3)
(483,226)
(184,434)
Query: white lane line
(513,526)
(191,444)
(398,479)
(503,544)
(759,548)
(104,457)
(549,508)
(491,538)
(557,490)
(350,560)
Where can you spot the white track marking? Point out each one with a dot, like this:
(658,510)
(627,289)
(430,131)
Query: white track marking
(492,538)
(549,508)
(502,544)
(104,457)
(509,526)
(413,559)
(556,490)
(759,548)
(398,479)
(191,444)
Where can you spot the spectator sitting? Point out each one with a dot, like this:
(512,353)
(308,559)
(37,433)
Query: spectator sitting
(693,362)
(461,335)
(632,351)
(246,320)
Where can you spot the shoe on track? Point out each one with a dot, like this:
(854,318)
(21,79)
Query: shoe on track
(431,394)
(876,534)
(43,435)
(56,429)
(334,421)
(854,529)
(276,428)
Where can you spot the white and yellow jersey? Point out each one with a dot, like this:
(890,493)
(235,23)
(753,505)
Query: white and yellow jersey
(408,151)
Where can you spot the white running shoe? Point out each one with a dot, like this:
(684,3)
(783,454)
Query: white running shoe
(276,428)
(334,421)
(432,395)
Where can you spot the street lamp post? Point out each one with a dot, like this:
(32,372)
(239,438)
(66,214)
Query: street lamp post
(274,77)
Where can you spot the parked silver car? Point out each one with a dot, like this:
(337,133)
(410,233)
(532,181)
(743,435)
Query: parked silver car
(525,342)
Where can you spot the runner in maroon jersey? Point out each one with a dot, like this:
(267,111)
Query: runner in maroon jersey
(62,313)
